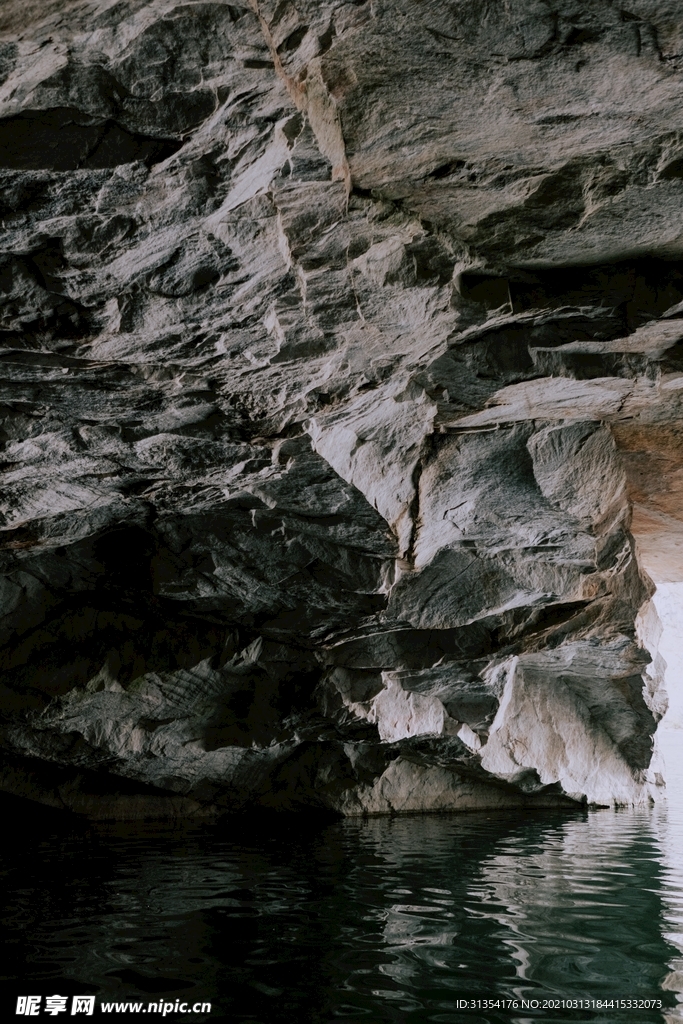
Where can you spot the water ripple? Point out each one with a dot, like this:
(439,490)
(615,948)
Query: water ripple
(289,920)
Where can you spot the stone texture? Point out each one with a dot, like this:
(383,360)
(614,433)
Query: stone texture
(338,343)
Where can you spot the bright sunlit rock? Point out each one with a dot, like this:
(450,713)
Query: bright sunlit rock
(668,601)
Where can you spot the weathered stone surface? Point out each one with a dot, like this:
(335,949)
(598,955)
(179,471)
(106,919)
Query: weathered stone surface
(338,342)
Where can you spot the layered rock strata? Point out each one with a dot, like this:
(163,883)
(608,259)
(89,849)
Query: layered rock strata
(338,340)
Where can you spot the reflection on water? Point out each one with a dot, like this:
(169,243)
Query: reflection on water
(668,826)
(284,920)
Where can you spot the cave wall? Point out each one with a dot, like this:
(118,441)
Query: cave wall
(338,341)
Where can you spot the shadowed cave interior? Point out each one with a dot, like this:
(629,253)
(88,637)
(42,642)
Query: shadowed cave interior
(121,613)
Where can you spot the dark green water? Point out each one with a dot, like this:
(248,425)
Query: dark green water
(282,921)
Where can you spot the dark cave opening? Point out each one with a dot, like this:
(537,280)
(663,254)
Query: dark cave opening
(64,139)
(641,289)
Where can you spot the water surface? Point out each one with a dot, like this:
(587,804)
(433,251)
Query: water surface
(283,920)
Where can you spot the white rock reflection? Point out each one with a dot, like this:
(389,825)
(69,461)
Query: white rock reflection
(558,903)
(668,818)
(669,823)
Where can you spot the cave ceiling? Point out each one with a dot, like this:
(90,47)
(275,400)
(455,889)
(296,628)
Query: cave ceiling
(341,370)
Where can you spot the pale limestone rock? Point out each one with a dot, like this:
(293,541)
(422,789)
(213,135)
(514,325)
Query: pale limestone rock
(408,788)
(544,723)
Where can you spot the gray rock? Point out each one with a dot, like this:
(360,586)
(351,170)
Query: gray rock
(340,358)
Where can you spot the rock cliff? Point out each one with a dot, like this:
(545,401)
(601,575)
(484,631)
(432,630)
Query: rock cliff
(339,342)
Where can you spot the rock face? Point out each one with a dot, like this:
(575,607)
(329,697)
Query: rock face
(338,340)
